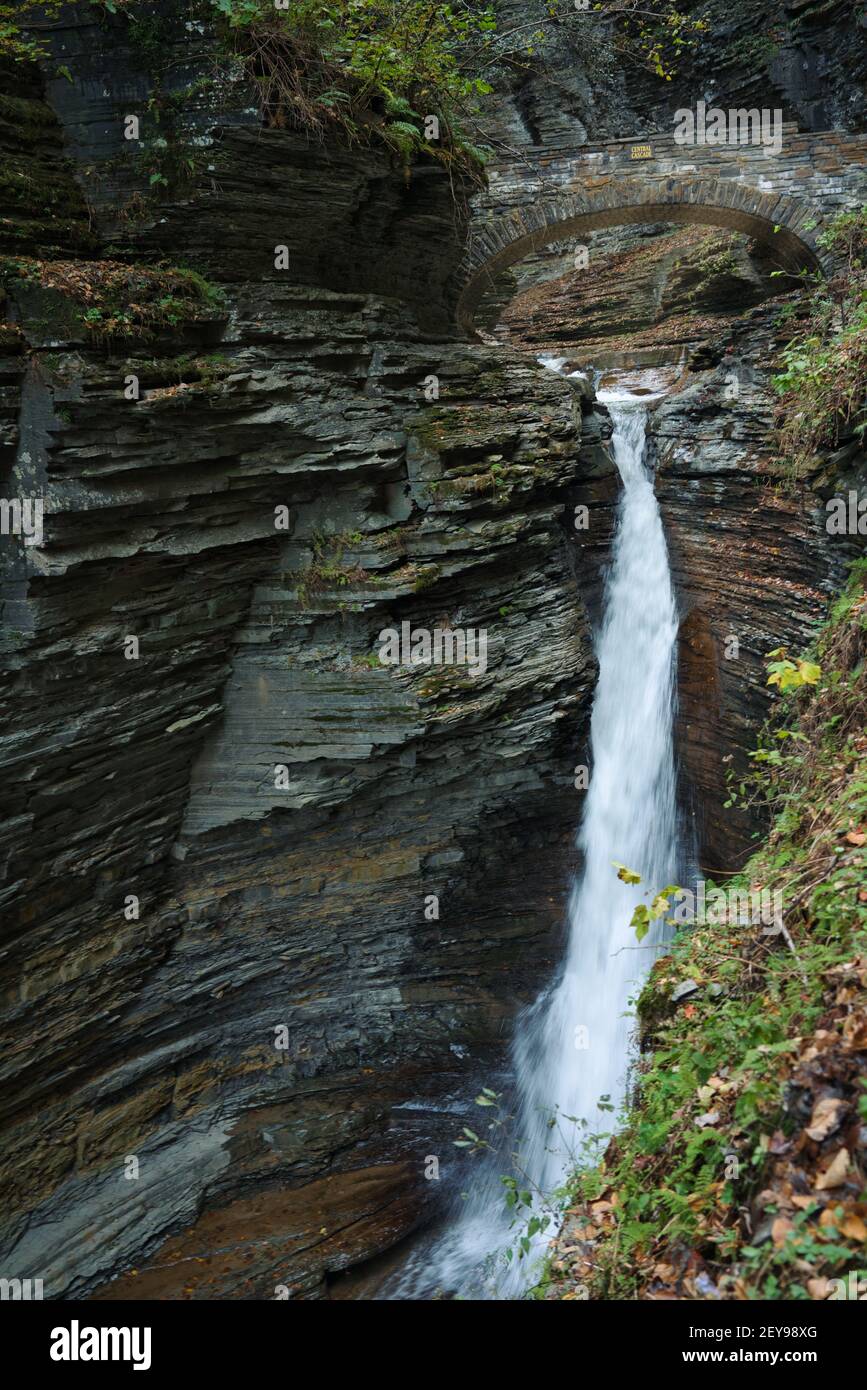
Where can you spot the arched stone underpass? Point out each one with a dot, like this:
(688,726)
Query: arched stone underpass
(783,200)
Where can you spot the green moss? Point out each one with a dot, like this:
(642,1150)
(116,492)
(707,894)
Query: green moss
(25,116)
(427,575)
(11,339)
(42,209)
(654,1001)
(111,300)
(750,51)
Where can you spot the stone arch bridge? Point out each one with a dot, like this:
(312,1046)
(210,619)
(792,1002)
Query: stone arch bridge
(784,200)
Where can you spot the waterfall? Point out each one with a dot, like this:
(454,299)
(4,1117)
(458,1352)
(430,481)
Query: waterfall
(571,1047)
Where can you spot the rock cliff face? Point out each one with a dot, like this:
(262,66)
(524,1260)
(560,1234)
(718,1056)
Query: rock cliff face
(651,295)
(269,906)
(806,57)
(589,78)
(753,562)
(268,901)
(753,565)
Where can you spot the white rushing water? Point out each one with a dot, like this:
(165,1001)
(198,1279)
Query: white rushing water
(572,1046)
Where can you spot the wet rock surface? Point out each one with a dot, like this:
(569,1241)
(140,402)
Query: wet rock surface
(649,296)
(806,57)
(235,1011)
(754,565)
(281,491)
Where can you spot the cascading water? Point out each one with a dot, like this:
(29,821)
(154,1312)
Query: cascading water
(571,1047)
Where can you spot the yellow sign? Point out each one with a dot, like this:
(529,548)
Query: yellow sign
(641,152)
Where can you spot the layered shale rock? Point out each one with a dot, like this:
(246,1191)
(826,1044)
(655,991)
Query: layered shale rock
(561,83)
(753,562)
(270,904)
(591,74)
(805,57)
(752,558)
(648,297)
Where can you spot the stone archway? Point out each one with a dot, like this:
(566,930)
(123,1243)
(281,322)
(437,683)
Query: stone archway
(501,238)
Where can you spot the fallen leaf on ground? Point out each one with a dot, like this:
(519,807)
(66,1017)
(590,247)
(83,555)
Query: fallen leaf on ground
(836,1173)
(855,1032)
(854,1227)
(826,1117)
(780,1230)
(710,1118)
(819,1288)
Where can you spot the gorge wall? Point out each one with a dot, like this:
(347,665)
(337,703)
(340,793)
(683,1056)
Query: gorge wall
(754,567)
(149,1031)
(753,562)
(280,492)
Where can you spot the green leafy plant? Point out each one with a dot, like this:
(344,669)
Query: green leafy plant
(19,40)
(407,74)
(656,33)
(823,382)
(645,914)
(791,675)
